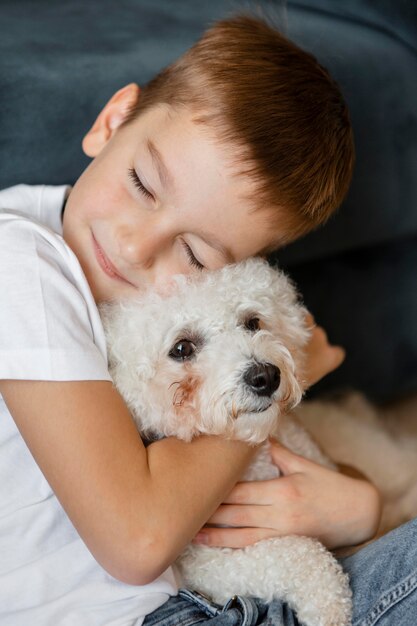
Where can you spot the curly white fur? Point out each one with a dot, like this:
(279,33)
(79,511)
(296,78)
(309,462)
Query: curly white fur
(208,392)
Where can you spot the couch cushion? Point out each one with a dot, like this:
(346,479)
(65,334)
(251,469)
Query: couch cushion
(376,68)
(367,302)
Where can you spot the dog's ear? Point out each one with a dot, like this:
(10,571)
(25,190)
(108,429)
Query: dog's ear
(297,341)
(288,308)
(289,320)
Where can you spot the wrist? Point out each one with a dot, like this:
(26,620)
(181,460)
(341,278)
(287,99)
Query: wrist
(374,511)
(369,509)
(369,530)
(357,522)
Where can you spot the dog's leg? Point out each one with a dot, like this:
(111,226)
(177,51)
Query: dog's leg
(297,570)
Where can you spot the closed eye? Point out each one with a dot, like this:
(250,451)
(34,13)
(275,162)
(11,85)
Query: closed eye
(191,258)
(138,184)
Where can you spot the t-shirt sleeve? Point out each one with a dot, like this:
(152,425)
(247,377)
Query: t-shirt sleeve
(50,328)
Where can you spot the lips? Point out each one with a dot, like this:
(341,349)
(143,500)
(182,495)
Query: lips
(106,265)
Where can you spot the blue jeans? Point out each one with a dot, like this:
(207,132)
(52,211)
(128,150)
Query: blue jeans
(383,578)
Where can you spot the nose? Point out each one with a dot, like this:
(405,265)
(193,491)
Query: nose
(149,258)
(262,378)
(136,252)
(142,243)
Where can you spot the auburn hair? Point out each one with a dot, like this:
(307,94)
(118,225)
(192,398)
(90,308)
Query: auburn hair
(277,105)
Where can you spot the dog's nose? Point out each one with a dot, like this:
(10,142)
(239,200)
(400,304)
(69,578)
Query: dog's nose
(262,378)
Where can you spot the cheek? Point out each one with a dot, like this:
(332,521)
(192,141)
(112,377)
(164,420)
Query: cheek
(98,192)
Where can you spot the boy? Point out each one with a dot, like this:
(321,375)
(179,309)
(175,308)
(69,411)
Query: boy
(239,147)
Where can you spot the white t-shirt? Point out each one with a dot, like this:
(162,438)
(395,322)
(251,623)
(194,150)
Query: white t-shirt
(50,329)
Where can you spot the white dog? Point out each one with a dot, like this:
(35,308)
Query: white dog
(222,354)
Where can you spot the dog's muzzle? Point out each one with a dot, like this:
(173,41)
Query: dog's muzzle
(262,378)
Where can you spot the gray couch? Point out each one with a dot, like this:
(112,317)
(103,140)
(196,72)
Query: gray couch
(61,61)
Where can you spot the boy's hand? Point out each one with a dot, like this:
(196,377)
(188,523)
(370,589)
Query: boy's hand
(321,357)
(308,499)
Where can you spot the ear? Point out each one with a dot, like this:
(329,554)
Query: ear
(110,119)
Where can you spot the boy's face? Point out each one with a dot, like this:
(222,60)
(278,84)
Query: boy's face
(160,198)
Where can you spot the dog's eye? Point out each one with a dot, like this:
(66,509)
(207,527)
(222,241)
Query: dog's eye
(252,324)
(182,350)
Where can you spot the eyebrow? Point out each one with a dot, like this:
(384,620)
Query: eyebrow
(163,172)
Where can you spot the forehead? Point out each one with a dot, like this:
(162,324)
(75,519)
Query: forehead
(202,177)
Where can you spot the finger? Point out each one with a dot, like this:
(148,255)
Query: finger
(335,357)
(338,356)
(318,335)
(256,492)
(309,320)
(241,515)
(288,462)
(231,537)
(330,357)
(297,469)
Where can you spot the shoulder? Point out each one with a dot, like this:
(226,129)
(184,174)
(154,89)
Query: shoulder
(49,311)
(35,259)
(22,236)
(40,202)
(25,198)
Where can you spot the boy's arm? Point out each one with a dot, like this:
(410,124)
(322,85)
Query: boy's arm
(135,507)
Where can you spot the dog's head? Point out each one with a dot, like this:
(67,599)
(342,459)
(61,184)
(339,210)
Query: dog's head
(220,354)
